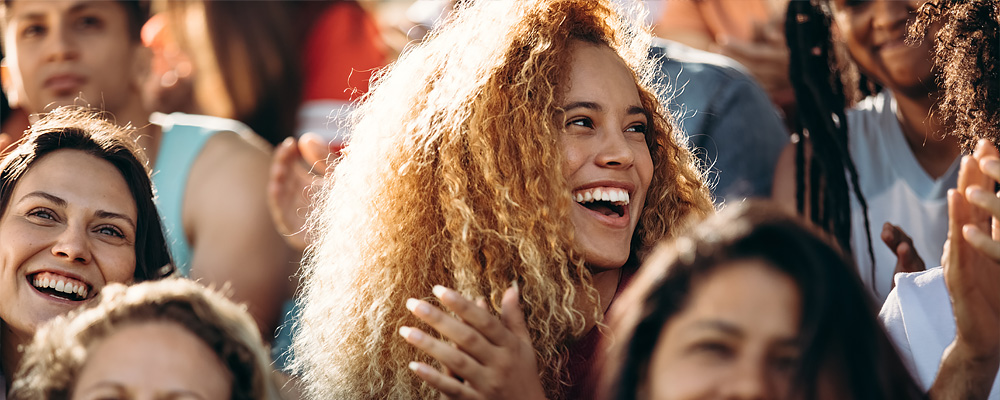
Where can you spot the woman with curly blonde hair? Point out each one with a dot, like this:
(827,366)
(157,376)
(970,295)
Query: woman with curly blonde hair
(520,145)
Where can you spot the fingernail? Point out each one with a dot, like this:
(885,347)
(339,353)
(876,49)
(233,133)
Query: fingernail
(517,288)
(414,366)
(439,291)
(410,334)
(976,194)
(411,304)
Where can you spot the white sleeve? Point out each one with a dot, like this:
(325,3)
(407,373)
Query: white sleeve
(891,317)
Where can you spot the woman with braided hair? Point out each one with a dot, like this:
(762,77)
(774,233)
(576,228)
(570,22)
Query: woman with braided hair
(872,159)
(517,157)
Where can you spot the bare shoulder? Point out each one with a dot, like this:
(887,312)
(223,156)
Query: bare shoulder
(230,171)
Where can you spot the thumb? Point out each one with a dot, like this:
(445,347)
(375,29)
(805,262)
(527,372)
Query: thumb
(511,314)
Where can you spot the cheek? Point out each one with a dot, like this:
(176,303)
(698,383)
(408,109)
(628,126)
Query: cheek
(675,378)
(120,266)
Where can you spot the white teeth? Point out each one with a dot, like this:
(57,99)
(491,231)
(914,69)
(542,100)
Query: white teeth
(60,286)
(614,195)
(78,289)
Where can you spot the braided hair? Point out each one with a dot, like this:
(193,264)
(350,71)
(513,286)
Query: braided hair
(826,83)
(966,50)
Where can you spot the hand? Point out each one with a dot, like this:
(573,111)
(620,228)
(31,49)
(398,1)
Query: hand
(907,259)
(972,261)
(296,169)
(494,358)
(972,274)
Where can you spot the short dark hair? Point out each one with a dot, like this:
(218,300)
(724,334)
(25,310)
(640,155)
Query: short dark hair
(838,327)
(83,129)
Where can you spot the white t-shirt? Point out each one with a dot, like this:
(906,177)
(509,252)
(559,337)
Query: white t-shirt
(918,317)
(897,190)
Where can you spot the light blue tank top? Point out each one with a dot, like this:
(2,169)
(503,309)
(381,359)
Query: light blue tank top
(184,135)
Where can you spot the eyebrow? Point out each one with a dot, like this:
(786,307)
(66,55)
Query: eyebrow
(59,201)
(632,110)
(732,330)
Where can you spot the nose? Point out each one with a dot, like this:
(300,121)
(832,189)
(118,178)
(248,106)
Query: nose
(61,44)
(615,151)
(749,381)
(73,245)
(888,15)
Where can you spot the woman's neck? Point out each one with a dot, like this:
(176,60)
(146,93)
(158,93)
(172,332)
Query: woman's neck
(606,282)
(926,134)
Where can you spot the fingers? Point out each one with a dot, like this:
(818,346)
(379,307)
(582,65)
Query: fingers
(985,201)
(511,314)
(453,358)
(447,385)
(463,333)
(315,151)
(982,242)
(891,236)
(478,318)
(968,176)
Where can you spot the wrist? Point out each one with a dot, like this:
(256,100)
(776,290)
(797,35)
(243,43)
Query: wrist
(973,355)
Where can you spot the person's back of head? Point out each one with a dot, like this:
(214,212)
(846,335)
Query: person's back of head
(177,322)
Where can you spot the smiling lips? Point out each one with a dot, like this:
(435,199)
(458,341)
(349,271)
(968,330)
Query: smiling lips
(60,286)
(609,203)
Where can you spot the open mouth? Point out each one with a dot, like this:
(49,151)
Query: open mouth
(608,201)
(60,287)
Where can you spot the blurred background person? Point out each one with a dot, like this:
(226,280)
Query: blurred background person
(871,159)
(168,339)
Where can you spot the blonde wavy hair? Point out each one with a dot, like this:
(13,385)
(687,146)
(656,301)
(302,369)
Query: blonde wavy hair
(453,176)
(56,357)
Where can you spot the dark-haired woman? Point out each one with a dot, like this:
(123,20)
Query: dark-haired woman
(76,213)
(885,164)
(752,304)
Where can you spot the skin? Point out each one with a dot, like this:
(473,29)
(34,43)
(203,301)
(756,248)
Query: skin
(971,264)
(152,360)
(733,340)
(71,215)
(604,146)
(224,210)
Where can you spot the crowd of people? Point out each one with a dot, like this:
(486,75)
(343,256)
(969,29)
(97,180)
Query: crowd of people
(537,199)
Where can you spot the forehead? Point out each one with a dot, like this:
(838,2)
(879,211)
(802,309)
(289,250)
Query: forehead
(598,71)
(79,178)
(48,8)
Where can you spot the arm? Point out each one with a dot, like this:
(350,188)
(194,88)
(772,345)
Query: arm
(233,238)
(972,274)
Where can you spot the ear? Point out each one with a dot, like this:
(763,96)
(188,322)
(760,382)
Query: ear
(8,84)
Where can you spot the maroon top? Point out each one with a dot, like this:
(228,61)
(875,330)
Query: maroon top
(582,353)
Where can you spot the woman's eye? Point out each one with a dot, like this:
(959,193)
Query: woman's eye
(110,231)
(32,31)
(42,213)
(640,128)
(584,122)
(89,22)
(714,349)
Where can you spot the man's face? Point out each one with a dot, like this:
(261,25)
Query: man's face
(60,50)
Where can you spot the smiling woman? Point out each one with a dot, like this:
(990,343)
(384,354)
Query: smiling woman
(76,213)
(519,143)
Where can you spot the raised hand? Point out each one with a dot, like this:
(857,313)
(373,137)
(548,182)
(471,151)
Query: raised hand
(296,168)
(491,358)
(972,274)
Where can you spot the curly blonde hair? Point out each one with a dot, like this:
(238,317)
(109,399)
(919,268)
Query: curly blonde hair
(453,176)
(56,357)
